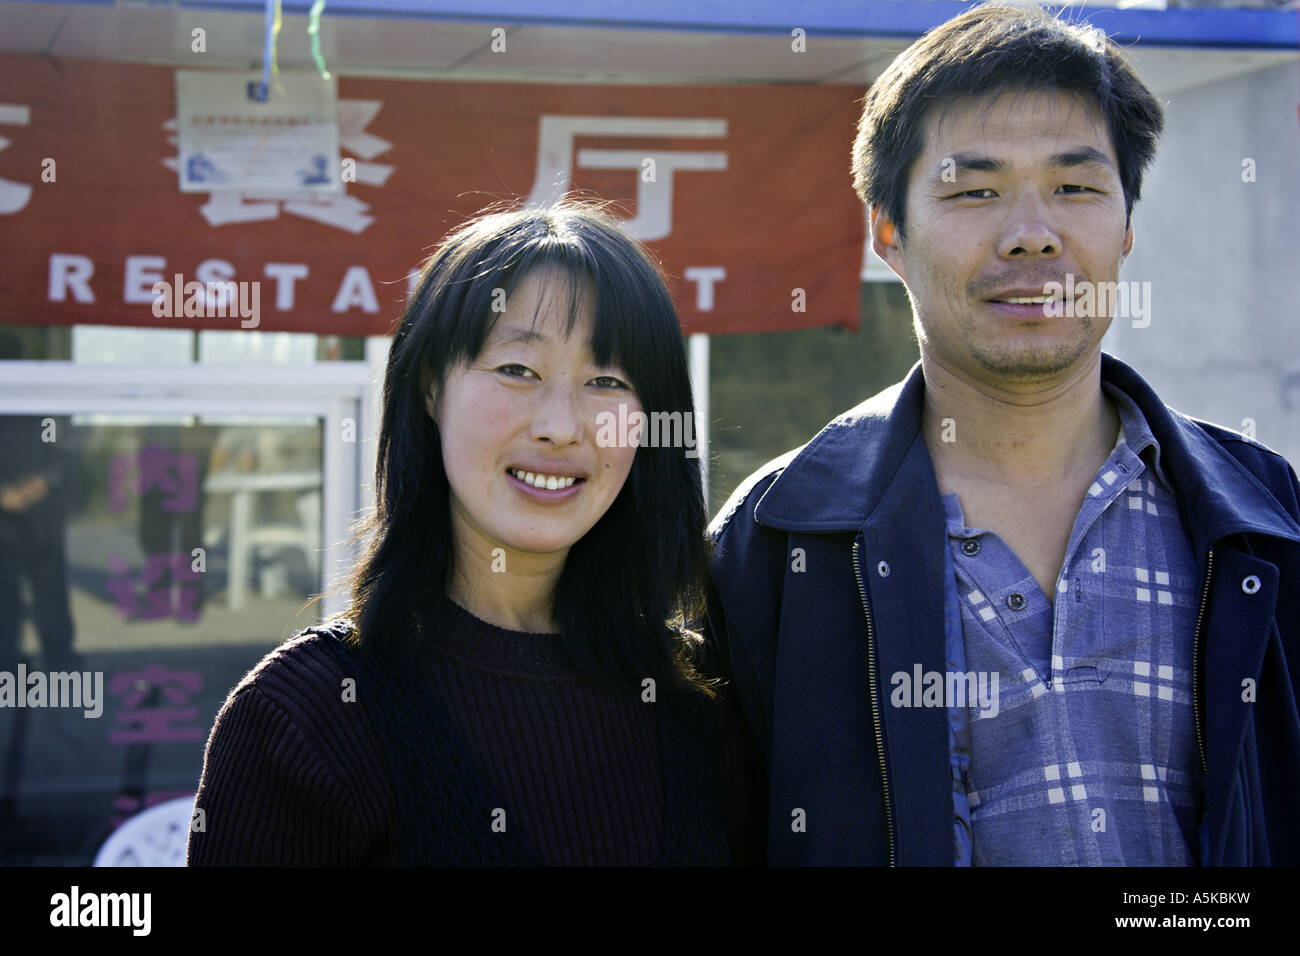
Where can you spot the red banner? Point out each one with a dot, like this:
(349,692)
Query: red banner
(742,191)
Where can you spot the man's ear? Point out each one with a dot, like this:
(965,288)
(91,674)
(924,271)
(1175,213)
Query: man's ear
(886,242)
(1128,243)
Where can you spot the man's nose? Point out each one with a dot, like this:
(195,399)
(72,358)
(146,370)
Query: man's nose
(1029,232)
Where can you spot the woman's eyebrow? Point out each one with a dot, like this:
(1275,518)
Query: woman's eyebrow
(511,336)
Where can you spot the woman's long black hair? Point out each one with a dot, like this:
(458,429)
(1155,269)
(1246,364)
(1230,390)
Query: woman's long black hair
(632,584)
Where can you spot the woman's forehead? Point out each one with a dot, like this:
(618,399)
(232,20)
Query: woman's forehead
(546,304)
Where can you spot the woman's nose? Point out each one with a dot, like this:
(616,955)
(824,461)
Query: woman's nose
(558,416)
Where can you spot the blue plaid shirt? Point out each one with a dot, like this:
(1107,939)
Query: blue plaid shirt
(1089,756)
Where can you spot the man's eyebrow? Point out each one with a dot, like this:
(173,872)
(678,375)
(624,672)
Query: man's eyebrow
(1082,156)
(976,163)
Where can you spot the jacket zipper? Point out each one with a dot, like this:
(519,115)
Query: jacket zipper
(1196,663)
(875,708)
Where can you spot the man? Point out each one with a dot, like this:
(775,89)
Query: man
(1015,610)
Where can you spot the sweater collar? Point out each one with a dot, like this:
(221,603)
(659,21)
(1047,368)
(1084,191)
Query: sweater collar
(838,481)
(454,632)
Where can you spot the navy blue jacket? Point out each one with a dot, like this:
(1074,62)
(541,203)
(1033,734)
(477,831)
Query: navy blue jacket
(828,574)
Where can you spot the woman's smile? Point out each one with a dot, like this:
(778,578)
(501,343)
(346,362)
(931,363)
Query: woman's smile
(545,487)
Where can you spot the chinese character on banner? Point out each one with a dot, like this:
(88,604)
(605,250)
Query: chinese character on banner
(14,196)
(155,685)
(654,193)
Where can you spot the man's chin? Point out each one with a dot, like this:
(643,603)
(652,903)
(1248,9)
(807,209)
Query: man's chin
(1033,363)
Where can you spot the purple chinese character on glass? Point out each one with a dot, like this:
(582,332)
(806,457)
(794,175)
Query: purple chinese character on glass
(143,692)
(162,573)
(173,473)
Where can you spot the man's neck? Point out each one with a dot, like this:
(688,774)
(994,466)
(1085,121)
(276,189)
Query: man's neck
(1017,435)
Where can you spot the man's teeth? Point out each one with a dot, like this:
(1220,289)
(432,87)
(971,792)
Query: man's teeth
(1028,300)
(547,482)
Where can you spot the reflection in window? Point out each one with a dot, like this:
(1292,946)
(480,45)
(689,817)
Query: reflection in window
(165,555)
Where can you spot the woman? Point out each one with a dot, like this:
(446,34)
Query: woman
(514,682)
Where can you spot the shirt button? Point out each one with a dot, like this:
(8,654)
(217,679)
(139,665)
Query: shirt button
(970,547)
(1016,601)
(1250,584)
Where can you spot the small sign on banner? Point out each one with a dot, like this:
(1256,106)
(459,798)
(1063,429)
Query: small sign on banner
(286,145)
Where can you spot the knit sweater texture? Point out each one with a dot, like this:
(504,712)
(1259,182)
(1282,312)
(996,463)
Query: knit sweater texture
(487,750)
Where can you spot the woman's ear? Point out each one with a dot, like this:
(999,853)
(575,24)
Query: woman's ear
(430,388)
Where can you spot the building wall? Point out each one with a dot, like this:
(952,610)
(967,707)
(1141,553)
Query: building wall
(1223,258)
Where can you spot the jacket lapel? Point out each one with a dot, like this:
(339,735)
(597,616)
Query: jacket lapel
(903,570)
(869,473)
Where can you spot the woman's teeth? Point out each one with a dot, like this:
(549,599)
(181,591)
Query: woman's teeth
(546,482)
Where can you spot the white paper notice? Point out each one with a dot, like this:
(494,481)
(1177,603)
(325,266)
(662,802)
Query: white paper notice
(285,146)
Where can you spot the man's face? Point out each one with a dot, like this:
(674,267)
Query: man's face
(1009,193)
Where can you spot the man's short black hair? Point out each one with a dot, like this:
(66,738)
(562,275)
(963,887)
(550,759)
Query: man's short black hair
(989,49)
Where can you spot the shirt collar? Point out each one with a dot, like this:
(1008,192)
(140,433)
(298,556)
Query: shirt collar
(1136,433)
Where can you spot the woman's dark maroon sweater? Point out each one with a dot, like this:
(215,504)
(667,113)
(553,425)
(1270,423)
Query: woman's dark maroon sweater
(490,751)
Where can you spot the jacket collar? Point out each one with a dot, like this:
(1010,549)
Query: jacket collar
(837,481)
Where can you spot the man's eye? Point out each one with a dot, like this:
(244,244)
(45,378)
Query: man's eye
(970,194)
(1081,189)
(609,381)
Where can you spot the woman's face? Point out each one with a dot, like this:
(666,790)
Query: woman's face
(519,427)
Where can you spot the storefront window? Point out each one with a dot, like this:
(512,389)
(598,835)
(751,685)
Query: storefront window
(145,565)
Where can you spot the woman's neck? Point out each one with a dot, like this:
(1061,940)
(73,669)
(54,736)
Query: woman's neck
(510,589)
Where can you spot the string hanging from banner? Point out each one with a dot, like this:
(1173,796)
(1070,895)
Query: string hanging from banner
(270,62)
(313,30)
(275,46)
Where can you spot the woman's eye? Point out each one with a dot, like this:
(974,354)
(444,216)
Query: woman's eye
(515,370)
(609,381)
